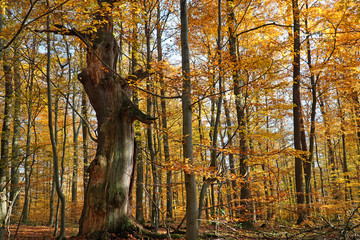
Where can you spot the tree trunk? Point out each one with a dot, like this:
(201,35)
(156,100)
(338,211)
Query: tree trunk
(76,130)
(169,211)
(214,124)
(85,139)
(240,99)
(330,148)
(106,201)
(5,136)
(52,136)
(29,124)
(138,151)
(15,160)
(155,203)
(348,189)
(308,164)
(299,185)
(234,196)
(192,230)
(53,185)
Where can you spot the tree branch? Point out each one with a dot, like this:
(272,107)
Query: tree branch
(137,114)
(261,26)
(24,24)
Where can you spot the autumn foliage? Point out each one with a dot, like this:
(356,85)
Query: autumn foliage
(242,80)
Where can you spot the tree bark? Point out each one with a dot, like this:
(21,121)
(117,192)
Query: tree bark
(15,153)
(215,123)
(85,139)
(29,124)
(106,201)
(169,198)
(192,230)
(299,185)
(54,215)
(76,130)
(5,136)
(52,136)
(234,195)
(240,105)
(309,162)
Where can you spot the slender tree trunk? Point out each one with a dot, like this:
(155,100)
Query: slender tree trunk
(5,134)
(52,136)
(29,124)
(155,214)
(216,123)
(15,160)
(5,139)
(64,148)
(192,230)
(330,148)
(231,157)
(299,185)
(76,130)
(169,198)
(138,152)
(53,185)
(85,139)
(240,106)
(348,190)
(305,159)
(308,163)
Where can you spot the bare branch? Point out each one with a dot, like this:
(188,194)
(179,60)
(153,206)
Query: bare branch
(261,26)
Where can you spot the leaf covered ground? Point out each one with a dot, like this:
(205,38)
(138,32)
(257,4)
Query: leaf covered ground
(211,231)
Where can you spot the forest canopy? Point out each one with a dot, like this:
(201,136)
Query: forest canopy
(197,118)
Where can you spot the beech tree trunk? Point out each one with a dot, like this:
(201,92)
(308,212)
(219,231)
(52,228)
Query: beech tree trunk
(27,165)
(299,184)
(85,140)
(164,124)
(192,230)
(240,105)
(15,159)
(215,120)
(5,139)
(106,201)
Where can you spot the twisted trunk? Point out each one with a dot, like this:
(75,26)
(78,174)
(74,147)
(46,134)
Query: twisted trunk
(106,201)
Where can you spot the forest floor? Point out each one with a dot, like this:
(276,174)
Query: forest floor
(211,232)
(29,232)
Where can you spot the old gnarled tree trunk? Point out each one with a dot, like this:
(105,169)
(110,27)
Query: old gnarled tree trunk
(106,201)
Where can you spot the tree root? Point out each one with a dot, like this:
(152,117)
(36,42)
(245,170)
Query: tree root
(134,231)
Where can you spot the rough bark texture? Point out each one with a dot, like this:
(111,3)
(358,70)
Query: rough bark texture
(106,201)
